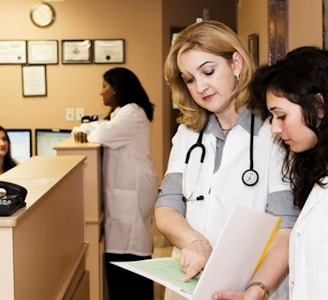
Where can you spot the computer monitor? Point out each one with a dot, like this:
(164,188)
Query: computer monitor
(21,143)
(47,139)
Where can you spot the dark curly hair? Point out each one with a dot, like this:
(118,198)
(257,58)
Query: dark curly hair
(302,78)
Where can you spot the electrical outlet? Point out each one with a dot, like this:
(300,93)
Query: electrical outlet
(69,112)
(79,113)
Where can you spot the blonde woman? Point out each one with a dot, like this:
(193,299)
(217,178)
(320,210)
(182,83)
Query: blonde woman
(222,156)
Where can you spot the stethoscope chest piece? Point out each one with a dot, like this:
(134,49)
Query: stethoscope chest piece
(250,177)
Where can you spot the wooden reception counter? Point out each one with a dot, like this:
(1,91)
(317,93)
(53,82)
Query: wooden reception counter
(42,253)
(93,211)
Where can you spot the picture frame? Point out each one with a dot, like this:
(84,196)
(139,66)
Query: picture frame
(253,47)
(13,52)
(42,52)
(77,51)
(34,80)
(109,51)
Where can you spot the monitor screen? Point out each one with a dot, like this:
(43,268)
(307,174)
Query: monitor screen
(21,144)
(47,139)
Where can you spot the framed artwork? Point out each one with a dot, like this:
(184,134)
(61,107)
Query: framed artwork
(109,51)
(253,47)
(76,51)
(13,52)
(42,52)
(34,80)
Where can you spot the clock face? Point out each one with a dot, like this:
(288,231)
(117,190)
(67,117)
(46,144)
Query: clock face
(42,14)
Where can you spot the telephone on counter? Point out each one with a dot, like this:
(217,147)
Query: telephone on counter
(12,197)
(88,119)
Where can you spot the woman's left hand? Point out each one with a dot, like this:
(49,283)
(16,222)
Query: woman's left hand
(80,137)
(229,295)
(254,293)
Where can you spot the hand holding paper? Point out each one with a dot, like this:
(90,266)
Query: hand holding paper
(235,257)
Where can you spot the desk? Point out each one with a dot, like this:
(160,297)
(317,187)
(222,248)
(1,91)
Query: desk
(93,209)
(42,253)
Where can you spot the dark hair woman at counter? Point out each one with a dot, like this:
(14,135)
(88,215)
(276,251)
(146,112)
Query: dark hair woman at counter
(6,161)
(130,181)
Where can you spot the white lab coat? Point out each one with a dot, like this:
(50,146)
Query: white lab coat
(224,190)
(308,251)
(130,181)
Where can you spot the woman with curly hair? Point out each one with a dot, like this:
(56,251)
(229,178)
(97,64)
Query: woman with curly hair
(294,92)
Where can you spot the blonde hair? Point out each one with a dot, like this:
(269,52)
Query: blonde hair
(216,38)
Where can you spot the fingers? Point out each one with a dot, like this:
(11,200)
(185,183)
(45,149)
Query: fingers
(190,269)
(80,137)
(229,295)
(194,257)
(184,266)
(190,272)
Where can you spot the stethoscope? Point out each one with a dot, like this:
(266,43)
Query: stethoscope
(249,177)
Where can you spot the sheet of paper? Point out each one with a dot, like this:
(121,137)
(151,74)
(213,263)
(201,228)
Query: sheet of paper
(165,270)
(238,252)
(233,261)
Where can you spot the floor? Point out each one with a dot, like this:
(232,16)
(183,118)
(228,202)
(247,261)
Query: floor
(162,249)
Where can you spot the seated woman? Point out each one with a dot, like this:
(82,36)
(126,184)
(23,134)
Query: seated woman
(6,161)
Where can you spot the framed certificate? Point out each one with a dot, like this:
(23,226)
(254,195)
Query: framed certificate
(13,52)
(42,52)
(108,51)
(34,81)
(76,51)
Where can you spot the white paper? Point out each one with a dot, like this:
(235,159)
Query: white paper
(231,265)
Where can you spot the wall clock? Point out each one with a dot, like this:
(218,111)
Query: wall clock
(42,14)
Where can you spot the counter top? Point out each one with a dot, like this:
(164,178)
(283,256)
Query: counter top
(71,144)
(38,175)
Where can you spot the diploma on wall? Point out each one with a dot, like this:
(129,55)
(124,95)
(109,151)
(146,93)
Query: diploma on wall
(236,256)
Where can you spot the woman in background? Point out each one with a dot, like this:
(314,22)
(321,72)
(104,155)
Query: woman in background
(295,93)
(129,179)
(6,161)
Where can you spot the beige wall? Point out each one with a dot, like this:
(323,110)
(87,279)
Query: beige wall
(144,24)
(140,24)
(252,17)
(305,23)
